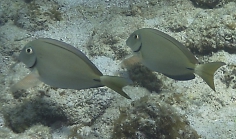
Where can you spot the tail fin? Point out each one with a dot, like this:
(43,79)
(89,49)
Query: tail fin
(206,72)
(116,83)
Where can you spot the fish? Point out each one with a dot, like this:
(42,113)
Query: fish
(61,65)
(164,54)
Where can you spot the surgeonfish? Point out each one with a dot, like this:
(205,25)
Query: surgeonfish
(61,65)
(162,53)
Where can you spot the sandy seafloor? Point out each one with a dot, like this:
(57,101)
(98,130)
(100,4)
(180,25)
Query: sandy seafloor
(183,109)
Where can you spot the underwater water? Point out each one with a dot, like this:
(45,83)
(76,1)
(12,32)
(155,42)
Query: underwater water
(160,107)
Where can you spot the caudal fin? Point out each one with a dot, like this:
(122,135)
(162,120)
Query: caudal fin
(206,72)
(116,83)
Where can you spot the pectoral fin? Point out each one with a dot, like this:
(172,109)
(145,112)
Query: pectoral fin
(130,61)
(32,79)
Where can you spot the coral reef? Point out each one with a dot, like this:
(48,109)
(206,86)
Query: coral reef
(3,18)
(209,3)
(28,1)
(207,35)
(109,42)
(31,110)
(151,118)
(35,132)
(230,77)
(33,17)
(99,29)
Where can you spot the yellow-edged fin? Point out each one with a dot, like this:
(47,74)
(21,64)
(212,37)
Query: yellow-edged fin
(31,80)
(206,72)
(116,84)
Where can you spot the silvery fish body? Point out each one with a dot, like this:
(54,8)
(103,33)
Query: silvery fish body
(61,65)
(162,53)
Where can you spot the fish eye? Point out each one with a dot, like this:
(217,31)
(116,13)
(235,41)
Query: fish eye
(136,36)
(29,50)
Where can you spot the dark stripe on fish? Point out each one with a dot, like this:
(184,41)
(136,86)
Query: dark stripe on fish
(139,48)
(33,64)
(97,80)
(190,68)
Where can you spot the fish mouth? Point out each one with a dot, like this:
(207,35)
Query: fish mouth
(139,48)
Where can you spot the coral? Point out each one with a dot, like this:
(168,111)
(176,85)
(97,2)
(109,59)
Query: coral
(108,43)
(28,1)
(3,19)
(209,3)
(150,118)
(133,10)
(41,108)
(34,16)
(212,34)
(35,112)
(112,41)
(66,132)
(119,52)
(54,14)
(21,117)
(37,132)
(230,77)
(231,25)
(108,39)
(30,18)
(176,24)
